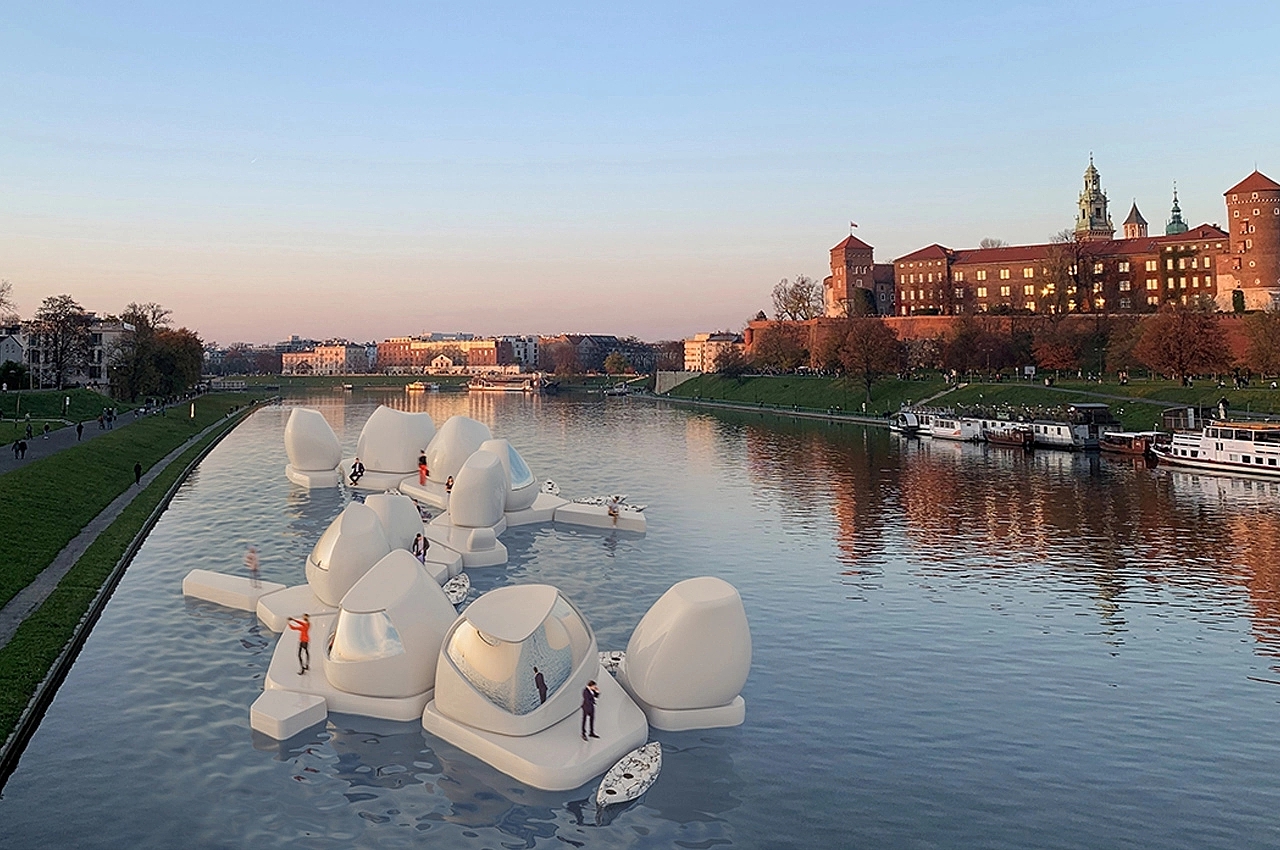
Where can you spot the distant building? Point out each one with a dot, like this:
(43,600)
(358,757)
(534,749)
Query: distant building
(336,357)
(1253,215)
(701,350)
(413,355)
(524,350)
(857,286)
(104,337)
(13,345)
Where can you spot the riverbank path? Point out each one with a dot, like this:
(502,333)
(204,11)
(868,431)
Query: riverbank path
(33,595)
(40,446)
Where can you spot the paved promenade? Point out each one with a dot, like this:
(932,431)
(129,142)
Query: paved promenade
(33,595)
(65,437)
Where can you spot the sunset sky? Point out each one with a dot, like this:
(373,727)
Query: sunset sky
(325,170)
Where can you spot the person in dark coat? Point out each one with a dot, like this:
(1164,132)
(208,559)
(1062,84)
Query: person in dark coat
(590,694)
(540,682)
(79,431)
(137,474)
(357,472)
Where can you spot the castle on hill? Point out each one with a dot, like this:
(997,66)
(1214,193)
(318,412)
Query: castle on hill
(1090,270)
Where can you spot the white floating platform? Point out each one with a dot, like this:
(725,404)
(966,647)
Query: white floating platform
(239,592)
(372,481)
(597,516)
(445,521)
(543,509)
(462,540)
(311,478)
(555,759)
(283,675)
(682,720)
(275,610)
(442,561)
(283,714)
(432,493)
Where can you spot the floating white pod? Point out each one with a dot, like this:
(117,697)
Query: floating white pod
(689,657)
(389,629)
(479,492)
(522,488)
(458,438)
(352,543)
(392,440)
(313,449)
(399,517)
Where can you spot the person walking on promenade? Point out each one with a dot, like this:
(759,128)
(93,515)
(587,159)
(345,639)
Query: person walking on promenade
(422,468)
(137,474)
(102,422)
(22,449)
(15,449)
(540,682)
(30,435)
(590,694)
(79,431)
(251,564)
(46,431)
(303,628)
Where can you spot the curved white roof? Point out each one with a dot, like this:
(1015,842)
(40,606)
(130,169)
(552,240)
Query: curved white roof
(512,613)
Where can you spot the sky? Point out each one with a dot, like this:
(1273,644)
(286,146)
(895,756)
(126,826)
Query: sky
(381,169)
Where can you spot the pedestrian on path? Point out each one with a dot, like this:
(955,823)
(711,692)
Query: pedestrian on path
(46,430)
(303,628)
(22,449)
(79,431)
(30,435)
(137,474)
(251,564)
(15,449)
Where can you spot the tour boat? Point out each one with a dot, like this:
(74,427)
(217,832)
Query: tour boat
(1129,442)
(505,384)
(415,387)
(1013,436)
(618,389)
(1082,428)
(956,428)
(905,423)
(1251,448)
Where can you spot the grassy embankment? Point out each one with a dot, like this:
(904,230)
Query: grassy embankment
(1137,405)
(28,657)
(45,504)
(48,406)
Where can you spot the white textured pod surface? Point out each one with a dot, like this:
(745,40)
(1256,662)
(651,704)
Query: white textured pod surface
(399,517)
(522,487)
(391,440)
(458,438)
(692,649)
(352,543)
(479,492)
(310,443)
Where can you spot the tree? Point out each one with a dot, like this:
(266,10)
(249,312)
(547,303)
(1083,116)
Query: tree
(992,242)
(1181,342)
(1056,347)
(154,359)
(798,301)
(8,312)
(179,357)
(1263,333)
(861,302)
(616,363)
(977,344)
(63,328)
(779,347)
(14,375)
(870,349)
(564,358)
(731,361)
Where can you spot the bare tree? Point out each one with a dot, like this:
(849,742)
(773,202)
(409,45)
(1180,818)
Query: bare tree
(63,328)
(1263,331)
(992,242)
(8,310)
(870,349)
(797,301)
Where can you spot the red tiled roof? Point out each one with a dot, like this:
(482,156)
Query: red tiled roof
(1255,182)
(933,252)
(853,242)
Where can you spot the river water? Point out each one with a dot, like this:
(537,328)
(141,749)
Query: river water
(953,647)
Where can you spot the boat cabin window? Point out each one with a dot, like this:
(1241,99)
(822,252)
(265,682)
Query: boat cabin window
(1267,437)
(1241,434)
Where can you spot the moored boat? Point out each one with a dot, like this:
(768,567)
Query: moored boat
(956,428)
(1012,436)
(1128,442)
(1082,428)
(506,383)
(905,423)
(1247,448)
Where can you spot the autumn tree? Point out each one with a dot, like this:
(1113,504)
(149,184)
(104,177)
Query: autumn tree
(870,349)
(781,347)
(63,328)
(1057,347)
(976,344)
(152,358)
(731,361)
(1182,341)
(617,363)
(1263,333)
(797,300)
(563,357)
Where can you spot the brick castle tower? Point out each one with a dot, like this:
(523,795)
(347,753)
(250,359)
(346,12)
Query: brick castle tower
(852,268)
(1253,216)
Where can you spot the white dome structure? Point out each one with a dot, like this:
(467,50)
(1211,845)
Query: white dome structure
(352,543)
(689,657)
(390,626)
(399,517)
(479,492)
(458,438)
(391,440)
(522,488)
(488,703)
(313,449)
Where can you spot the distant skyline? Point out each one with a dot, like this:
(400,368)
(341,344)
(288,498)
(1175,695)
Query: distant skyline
(268,170)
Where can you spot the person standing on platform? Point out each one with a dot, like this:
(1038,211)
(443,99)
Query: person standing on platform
(422,468)
(448,485)
(590,694)
(303,628)
(251,564)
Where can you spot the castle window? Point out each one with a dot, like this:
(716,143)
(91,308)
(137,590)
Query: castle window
(1182,283)
(1235,213)
(1206,262)
(1151,265)
(1182,262)
(982,274)
(1233,199)
(1153,299)
(1028,272)
(1195,281)
(1168,264)
(982,292)
(1152,283)
(1126,304)
(1124,286)
(1029,289)
(1248,243)
(1169,282)
(1257,212)
(1124,266)
(1097,268)
(960,277)
(959,292)
(1031,305)
(1004,274)
(1004,292)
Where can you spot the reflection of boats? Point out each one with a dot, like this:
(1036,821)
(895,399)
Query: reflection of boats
(619,388)
(905,423)
(348,386)
(1014,436)
(1081,429)
(956,428)
(506,383)
(1251,448)
(1128,442)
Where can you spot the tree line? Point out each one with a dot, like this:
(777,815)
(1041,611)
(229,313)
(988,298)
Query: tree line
(1179,342)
